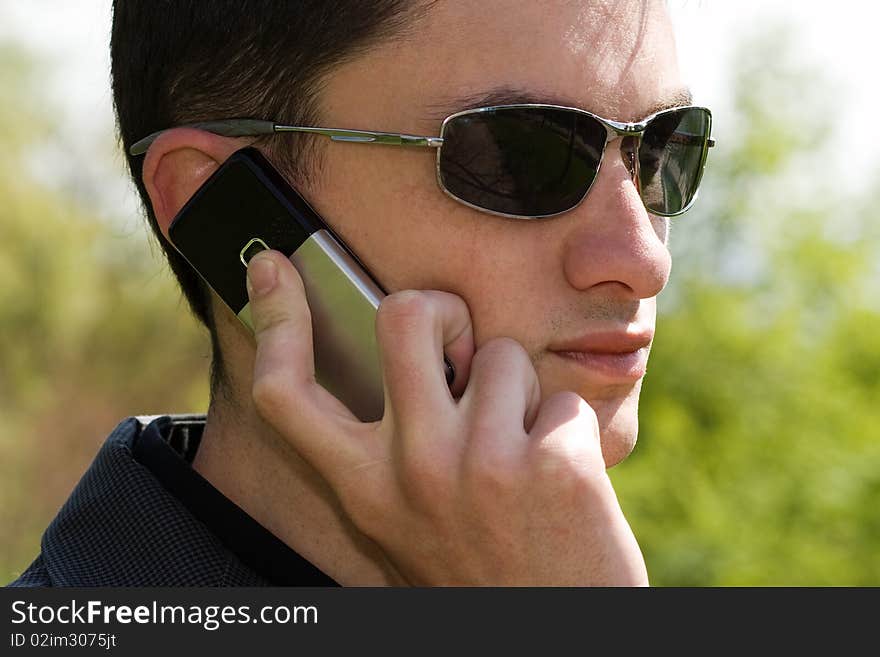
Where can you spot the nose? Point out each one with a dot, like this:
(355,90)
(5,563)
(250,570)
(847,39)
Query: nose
(613,239)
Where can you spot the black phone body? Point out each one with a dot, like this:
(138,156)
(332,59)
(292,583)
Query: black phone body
(246,205)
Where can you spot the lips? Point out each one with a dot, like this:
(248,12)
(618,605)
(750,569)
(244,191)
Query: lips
(608,342)
(612,356)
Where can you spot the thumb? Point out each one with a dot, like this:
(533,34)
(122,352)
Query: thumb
(285,392)
(281,317)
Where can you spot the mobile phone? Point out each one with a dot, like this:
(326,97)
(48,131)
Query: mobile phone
(247,206)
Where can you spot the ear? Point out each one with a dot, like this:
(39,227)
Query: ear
(177,164)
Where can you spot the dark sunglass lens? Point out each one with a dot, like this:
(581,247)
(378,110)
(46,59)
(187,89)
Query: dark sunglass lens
(671,158)
(524,161)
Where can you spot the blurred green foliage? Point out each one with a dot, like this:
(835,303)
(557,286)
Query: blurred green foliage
(90,330)
(758,460)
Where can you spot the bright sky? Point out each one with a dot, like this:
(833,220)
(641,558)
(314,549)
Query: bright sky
(842,37)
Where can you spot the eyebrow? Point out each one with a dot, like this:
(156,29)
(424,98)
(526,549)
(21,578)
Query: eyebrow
(510,96)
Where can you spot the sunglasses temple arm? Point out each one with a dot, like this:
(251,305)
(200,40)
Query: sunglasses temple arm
(366,136)
(255,128)
(227,128)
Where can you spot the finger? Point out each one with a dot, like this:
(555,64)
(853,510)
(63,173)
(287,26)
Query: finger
(414,329)
(503,391)
(284,388)
(281,317)
(566,426)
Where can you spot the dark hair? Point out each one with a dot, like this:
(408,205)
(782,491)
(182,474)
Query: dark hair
(179,61)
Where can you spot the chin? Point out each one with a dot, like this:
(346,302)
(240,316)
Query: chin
(618,443)
(615,402)
(618,426)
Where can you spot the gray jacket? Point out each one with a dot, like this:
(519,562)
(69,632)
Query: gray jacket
(121,527)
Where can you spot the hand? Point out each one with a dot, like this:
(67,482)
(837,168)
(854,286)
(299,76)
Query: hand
(480,485)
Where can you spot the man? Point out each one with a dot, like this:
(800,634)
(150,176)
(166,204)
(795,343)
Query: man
(541,296)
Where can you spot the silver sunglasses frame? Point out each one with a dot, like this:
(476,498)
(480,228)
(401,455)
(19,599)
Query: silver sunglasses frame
(614,129)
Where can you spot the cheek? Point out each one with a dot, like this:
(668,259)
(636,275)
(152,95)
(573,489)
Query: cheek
(374,198)
(387,207)
(498,270)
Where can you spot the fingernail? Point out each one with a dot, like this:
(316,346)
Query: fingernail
(262,275)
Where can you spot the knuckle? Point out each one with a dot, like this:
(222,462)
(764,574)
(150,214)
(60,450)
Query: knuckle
(403,311)
(574,411)
(571,451)
(426,481)
(454,301)
(502,347)
(270,393)
(277,322)
(502,354)
(487,440)
(266,317)
(571,472)
(492,472)
(568,401)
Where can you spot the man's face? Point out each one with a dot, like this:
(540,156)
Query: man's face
(584,281)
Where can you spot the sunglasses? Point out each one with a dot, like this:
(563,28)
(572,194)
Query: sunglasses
(533,160)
